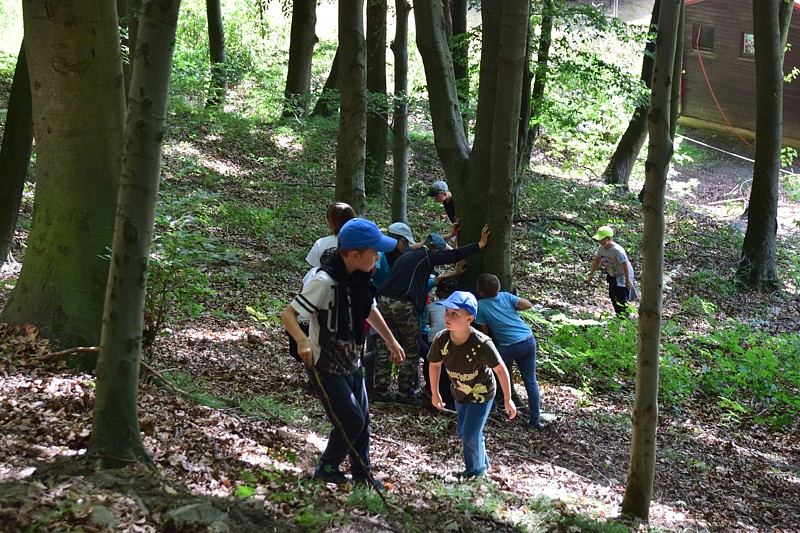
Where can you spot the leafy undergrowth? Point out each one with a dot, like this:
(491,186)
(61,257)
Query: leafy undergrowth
(241,203)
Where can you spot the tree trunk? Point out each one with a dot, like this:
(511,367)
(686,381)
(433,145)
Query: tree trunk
(115,439)
(641,472)
(459,49)
(511,67)
(301,51)
(15,153)
(531,126)
(377,110)
(218,87)
(325,104)
(757,266)
(350,152)
(78,108)
(400,113)
(450,141)
(128,13)
(620,166)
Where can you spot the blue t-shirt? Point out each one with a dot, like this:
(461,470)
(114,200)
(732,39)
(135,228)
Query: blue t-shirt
(500,314)
(381,270)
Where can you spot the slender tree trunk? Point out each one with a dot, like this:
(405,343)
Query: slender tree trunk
(78,109)
(757,266)
(15,153)
(511,67)
(301,51)
(218,87)
(350,152)
(459,49)
(327,102)
(400,113)
(619,168)
(641,472)
(377,109)
(128,12)
(536,103)
(116,440)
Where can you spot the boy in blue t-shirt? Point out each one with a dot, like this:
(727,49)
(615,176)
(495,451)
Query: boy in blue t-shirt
(498,314)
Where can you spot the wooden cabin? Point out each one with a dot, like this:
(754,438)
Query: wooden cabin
(718,84)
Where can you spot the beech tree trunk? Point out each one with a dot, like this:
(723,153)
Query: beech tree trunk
(15,154)
(218,87)
(400,113)
(116,439)
(350,152)
(327,102)
(757,265)
(459,49)
(377,108)
(619,168)
(301,51)
(78,109)
(641,471)
(511,62)
(128,12)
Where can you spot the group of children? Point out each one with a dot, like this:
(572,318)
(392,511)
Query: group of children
(473,342)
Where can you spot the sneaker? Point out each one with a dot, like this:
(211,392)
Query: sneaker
(409,399)
(330,474)
(382,397)
(364,483)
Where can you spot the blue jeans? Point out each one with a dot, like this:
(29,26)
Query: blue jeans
(471,419)
(524,354)
(348,401)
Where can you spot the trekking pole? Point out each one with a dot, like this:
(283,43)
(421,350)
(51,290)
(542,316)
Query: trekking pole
(338,424)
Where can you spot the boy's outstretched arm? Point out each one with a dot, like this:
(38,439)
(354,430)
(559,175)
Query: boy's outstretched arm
(376,320)
(505,382)
(304,350)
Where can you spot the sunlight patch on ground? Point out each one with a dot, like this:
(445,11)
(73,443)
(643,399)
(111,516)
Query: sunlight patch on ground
(187,151)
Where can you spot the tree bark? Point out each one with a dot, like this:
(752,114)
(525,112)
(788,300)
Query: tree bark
(759,252)
(511,67)
(619,168)
(459,49)
(301,52)
(641,472)
(377,109)
(325,104)
(128,13)
(218,87)
(116,439)
(78,109)
(400,113)
(350,152)
(15,153)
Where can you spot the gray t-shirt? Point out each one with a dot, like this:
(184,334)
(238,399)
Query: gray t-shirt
(612,260)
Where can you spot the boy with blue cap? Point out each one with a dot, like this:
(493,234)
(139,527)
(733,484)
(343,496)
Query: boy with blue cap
(336,300)
(471,361)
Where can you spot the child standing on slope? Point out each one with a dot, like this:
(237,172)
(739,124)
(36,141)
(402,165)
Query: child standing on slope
(469,358)
(336,299)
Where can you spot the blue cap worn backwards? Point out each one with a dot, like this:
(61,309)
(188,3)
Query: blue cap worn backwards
(461,300)
(435,240)
(362,233)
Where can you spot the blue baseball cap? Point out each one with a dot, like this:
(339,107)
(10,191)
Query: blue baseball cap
(362,233)
(461,300)
(435,240)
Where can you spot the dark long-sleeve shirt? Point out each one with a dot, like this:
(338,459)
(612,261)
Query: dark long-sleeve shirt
(408,278)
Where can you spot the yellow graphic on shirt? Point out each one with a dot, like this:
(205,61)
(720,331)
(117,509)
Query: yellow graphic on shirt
(477,392)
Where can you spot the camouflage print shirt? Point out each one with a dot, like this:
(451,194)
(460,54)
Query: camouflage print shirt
(468,365)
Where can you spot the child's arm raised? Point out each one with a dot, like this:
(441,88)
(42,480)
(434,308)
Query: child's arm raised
(376,320)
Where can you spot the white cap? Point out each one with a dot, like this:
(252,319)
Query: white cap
(401,229)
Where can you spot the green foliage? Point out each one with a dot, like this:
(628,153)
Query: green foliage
(267,407)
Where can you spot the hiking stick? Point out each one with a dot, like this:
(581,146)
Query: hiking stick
(339,426)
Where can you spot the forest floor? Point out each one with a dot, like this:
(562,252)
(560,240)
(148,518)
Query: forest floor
(245,465)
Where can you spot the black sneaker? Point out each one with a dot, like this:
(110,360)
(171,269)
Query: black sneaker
(382,397)
(364,483)
(330,474)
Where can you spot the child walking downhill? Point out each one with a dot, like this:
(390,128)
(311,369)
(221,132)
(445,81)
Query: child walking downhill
(469,358)
(336,300)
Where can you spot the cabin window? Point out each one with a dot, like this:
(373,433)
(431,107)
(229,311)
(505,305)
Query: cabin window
(703,38)
(748,46)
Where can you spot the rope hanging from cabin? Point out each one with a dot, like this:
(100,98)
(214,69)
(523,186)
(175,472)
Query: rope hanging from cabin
(711,89)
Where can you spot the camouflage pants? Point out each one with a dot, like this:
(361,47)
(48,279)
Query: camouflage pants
(402,318)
